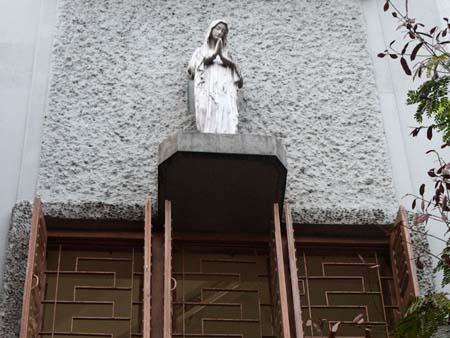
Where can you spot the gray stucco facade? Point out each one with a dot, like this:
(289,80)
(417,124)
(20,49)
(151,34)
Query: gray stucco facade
(118,88)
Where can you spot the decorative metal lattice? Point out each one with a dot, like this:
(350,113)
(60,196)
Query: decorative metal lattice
(221,291)
(353,287)
(93,293)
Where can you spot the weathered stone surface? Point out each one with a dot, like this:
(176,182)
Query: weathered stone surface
(443,332)
(119,88)
(94,210)
(421,248)
(14,271)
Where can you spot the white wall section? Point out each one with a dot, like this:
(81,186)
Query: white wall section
(409,161)
(26,36)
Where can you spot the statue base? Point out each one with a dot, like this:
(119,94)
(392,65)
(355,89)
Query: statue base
(220,182)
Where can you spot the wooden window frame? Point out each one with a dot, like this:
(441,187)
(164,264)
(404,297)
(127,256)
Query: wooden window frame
(397,243)
(40,235)
(282,242)
(402,258)
(275,245)
(32,308)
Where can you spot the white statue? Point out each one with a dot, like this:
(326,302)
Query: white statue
(216,80)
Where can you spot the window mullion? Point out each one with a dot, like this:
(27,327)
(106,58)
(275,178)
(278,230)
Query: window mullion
(294,273)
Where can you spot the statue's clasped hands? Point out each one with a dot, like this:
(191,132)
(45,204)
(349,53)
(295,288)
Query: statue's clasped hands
(226,61)
(218,49)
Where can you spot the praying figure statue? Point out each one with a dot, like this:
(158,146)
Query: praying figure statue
(216,81)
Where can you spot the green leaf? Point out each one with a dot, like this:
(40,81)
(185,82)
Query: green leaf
(432,101)
(424,316)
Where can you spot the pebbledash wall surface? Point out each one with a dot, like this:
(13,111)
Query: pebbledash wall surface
(118,88)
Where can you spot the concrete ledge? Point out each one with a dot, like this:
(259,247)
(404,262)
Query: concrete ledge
(256,145)
(221,183)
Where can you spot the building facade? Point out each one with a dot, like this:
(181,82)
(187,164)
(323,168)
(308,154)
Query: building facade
(92,88)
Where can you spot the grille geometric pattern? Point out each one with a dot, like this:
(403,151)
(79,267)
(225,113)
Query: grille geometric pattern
(221,291)
(93,293)
(339,286)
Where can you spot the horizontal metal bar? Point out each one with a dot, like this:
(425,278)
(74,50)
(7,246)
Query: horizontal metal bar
(331,277)
(351,264)
(207,304)
(103,288)
(230,320)
(339,240)
(220,260)
(95,234)
(362,324)
(100,318)
(76,302)
(355,292)
(68,272)
(215,335)
(123,259)
(85,334)
(230,290)
(218,274)
(335,306)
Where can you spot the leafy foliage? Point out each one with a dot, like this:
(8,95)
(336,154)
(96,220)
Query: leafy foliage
(424,316)
(427,56)
(432,100)
(444,265)
(438,208)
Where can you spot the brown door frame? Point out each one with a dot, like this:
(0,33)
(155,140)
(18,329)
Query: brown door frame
(167,319)
(32,308)
(146,324)
(298,323)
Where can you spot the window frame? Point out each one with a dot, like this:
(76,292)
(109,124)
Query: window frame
(157,264)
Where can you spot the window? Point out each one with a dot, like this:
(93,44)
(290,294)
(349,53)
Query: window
(351,285)
(222,289)
(229,287)
(85,283)
(93,289)
(362,283)
(119,282)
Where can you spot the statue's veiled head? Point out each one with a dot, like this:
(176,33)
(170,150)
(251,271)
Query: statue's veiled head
(218,29)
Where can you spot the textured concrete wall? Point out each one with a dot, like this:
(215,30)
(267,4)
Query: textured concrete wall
(14,272)
(443,332)
(421,249)
(119,88)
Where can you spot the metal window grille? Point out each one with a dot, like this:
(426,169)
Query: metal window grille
(93,292)
(222,291)
(354,287)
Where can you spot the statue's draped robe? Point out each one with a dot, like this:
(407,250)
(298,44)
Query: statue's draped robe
(215,92)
